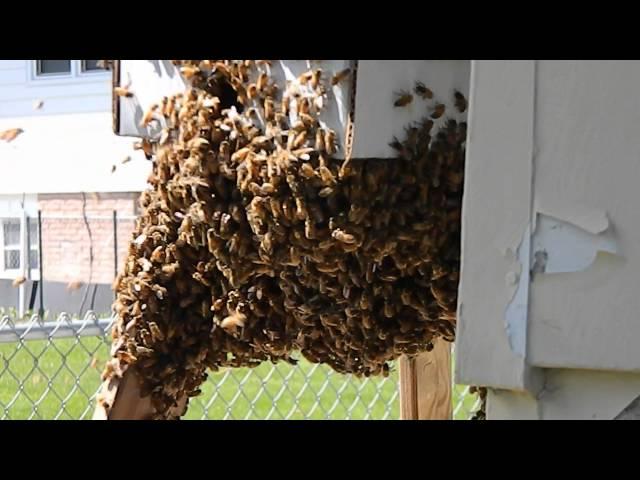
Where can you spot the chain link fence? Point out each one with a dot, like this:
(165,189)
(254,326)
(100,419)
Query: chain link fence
(51,370)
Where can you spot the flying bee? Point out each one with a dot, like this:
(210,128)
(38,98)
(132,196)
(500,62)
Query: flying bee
(460,101)
(122,92)
(403,98)
(421,90)
(340,76)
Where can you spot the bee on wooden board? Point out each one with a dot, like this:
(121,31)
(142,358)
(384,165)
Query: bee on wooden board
(422,91)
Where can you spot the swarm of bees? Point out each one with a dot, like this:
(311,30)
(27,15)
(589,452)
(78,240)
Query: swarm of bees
(255,242)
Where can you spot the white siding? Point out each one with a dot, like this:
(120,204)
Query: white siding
(66,94)
(68,145)
(69,153)
(12,64)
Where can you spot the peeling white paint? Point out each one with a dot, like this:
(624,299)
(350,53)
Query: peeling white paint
(516,312)
(570,246)
(591,219)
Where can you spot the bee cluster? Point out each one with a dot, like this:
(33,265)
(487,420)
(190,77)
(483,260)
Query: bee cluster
(255,242)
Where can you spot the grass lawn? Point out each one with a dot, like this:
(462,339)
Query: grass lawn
(56,379)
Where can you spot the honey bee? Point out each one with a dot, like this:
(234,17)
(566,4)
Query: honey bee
(421,90)
(438,111)
(340,76)
(330,142)
(343,236)
(399,147)
(319,145)
(315,78)
(303,106)
(326,175)
(252,91)
(318,102)
(305,77)
(261,83)
(268,108)
(307,171)
(125,357)
(403,99)
(299,140)
(10,134)
(149,115)
(140,350)
(460,101)
(234,321)
(74,285)
(122,92)
(189,72)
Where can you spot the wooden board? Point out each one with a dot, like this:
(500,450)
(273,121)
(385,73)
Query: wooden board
(362,114)
(425,385)
(127,403)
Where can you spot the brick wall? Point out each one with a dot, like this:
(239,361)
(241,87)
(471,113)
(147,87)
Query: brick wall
(65,241)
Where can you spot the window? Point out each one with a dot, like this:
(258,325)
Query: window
(11,243)
(50,70)
(90,65)
(11,234)
(54,67)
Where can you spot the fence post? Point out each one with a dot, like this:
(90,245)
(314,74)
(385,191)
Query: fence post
(23,240)
(41,277)
(425,384)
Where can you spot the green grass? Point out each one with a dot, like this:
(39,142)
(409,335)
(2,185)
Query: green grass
(55,380)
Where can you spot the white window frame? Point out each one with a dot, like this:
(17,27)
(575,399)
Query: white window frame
(76,75)
(10,273)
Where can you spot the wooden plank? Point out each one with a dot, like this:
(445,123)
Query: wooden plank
(127,403)
(492,314)
(425,385)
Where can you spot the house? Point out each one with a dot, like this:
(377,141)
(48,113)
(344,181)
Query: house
(60,164)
